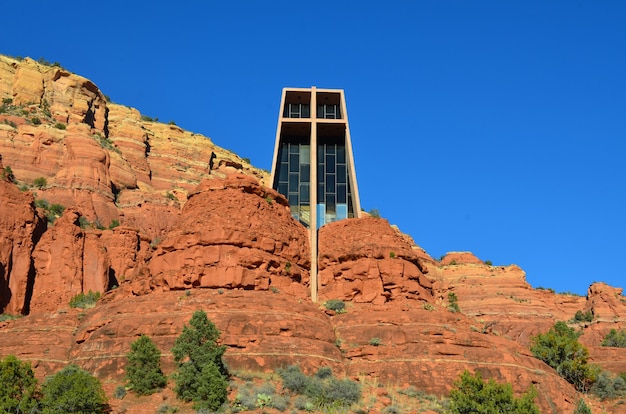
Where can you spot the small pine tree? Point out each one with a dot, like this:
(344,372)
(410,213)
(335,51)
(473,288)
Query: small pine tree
(17,386)
(472,395)
(560,349)
(201,375)
(143,370)
(73,390)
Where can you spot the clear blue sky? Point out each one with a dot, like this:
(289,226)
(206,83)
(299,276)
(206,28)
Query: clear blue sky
(496,127)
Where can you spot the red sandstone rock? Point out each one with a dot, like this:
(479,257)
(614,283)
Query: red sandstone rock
(366,260)
(20,229)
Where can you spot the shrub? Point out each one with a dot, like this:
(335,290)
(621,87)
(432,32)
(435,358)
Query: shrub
(392,255)
(7,174)
(201,374)
(453,305)
(293,379)
(83,222)
(488,263)
(120,392)
(323,391)
(59,125)
(560,349)
(374,213)
(73,390)
(581,316)
(608,387)
(375,341)
(40,182)
(85,300)
(114,223)
(472,395)
(35,120)
(615,338)
(582,408)
(336,305)
(324,372)
(17,386)
(143,370)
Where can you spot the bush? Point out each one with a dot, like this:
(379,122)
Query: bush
(59,125)
(18,386)
(143,370)
(335,305)
(35,120)
(114,223)
(560,349)
(120,392)
(323,391)
(615,338)
(453,305)
(73,390)
(581,316)
(472,395)
(7,174)
(85,301)
(375,341)
(293,379)
(608,387)
(582,408)
(40,182)
(201,375)
(324,372)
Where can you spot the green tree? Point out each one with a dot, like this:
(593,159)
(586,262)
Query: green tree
(473,395)
(18,386)
(143,370)
(560,349)
(615,338)
(73,390)
(201,375)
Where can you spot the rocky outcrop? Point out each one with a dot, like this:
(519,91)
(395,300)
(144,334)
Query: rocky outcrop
(367,260)
(234,233)
(20,229)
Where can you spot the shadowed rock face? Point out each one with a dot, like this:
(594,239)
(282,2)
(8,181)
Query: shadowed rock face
(219,240)
(20,229)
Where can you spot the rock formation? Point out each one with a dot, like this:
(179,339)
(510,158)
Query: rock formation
(96,197)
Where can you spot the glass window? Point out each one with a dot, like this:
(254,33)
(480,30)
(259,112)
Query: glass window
(293,200)
(330,203)
(294,149)
(293,162)
(330,149)
(330,163)
(306,113)
(283,171)
(320,173)
(320,153)
(282,188)
(320,191)
(330,183)
(304,193)
(283,153)
(341,173)
(341,154)
(305,173)
(341,193)
(305,154)
(293,182)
